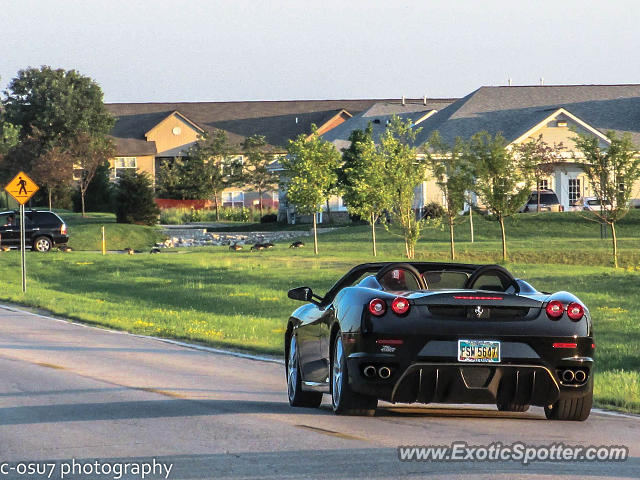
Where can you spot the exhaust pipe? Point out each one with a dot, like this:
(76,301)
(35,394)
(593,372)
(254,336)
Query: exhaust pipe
(370,371)
(384,372)
(568,376)
(580,376)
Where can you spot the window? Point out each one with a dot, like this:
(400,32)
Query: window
(574,190)
(122,164)
(543,185)
(233,199)
(232,165)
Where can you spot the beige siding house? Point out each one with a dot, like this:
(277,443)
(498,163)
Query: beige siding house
(147,133)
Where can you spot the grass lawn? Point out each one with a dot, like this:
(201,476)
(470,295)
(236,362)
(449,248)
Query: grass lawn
(85,234)
(238,299)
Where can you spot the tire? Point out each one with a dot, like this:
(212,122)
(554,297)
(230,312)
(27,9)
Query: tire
(572,409)
(344,400)
(512,407)
(42,244)
(298,397)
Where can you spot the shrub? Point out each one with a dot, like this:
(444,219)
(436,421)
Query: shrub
(172,216)
(269,218)
(195,215)
(179,216)
(433,210)
(135,200)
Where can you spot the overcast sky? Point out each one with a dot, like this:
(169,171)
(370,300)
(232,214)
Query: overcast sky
(222,50)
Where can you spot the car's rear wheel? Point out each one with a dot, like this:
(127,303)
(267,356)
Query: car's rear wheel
(574,409)
(42,244)
(298,397)
(343,399)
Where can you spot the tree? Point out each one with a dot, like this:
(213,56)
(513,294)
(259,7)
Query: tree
(502,179)
(60,104)
(453,175)
(257,173)
(362,180)
(612,172)
(9,137)
(52,170)
(542,158)
(135,199)
(200,173)
(22,156)
(100,192)
(88,153)
(404,171)
(204,167)
(169,181)
(311,165)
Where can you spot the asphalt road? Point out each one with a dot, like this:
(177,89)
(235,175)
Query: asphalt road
(74,392)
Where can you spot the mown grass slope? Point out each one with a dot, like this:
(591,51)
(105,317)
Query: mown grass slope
(85,233)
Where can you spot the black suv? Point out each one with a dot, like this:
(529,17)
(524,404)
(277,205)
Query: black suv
(43,230)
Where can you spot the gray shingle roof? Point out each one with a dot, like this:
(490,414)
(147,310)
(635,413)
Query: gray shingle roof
(274,119)
(514,110)
(378,115)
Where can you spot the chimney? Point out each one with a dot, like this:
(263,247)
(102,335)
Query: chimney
(403,101)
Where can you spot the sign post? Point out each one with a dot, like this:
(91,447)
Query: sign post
(22,189)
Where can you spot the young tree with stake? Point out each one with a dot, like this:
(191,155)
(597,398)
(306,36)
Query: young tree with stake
(502,179)
(311,166)
(404,171)
(612,172)
(362,180)
(543,159)
(453,175)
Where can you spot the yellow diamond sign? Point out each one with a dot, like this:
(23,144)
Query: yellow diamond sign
(21,188)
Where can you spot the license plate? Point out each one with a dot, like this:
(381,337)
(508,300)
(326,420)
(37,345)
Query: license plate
(485,351)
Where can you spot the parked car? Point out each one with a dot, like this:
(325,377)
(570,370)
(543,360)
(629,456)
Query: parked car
(548,202)
(43,230)
(432,332)
(589,203)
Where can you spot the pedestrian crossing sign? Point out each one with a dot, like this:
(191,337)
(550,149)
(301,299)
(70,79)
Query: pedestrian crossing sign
(21,188)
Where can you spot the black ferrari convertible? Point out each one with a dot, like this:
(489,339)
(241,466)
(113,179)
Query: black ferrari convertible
(440,332)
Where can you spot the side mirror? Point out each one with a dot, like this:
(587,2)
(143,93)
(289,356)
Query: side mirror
(304,294)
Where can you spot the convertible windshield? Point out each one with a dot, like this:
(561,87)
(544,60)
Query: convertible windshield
(445,280)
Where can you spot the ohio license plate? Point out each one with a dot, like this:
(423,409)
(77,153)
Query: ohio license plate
(487,351)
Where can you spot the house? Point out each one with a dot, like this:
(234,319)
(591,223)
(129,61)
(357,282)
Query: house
(378,116)
(145,134)
(558,113)
(520,114)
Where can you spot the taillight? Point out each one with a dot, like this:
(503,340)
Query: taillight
(63,229)
(400,305)
(555,309)
(565,345)
(575,311)
(377,307)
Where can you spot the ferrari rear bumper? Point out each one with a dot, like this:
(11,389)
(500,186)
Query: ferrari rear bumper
(530,371)
(452,382)
(455,383)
